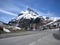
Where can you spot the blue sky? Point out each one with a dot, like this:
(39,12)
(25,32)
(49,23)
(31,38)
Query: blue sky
(11,8)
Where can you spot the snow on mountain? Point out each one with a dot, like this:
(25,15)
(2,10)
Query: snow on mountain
(54,20)
(28,14)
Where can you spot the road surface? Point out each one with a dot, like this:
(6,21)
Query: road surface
(40,38)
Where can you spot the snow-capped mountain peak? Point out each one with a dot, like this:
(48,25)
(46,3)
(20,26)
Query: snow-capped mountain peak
(28,14)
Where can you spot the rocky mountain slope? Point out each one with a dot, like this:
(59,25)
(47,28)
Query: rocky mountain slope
(29,18)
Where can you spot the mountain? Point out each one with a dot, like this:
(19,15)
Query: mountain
(3,23)
(27,14)
(29,18)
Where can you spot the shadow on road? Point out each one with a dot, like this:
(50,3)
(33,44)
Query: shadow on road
(56,36)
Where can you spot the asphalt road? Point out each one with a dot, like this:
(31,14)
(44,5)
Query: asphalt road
(39,38)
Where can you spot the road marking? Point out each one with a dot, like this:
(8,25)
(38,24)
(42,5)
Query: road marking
(38,40)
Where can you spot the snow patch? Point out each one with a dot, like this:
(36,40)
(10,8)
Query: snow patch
(6,30)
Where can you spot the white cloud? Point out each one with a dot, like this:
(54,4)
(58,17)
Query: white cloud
(7,12)
(9,5)
(4,19)
(48,13)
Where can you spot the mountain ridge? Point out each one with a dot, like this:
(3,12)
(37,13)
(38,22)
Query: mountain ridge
(29,15)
